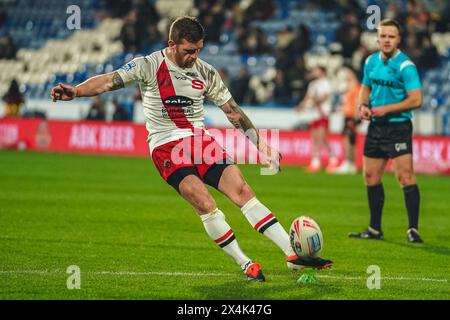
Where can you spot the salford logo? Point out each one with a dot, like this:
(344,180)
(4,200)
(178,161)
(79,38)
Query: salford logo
(178,101)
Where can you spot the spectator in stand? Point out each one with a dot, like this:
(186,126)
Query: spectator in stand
(97,110)
(346,6)
(253,41)
(120,114)
(319,97)
(116,8)
(285,37)
(301,43)
(282,94)
(442,18)
(295,78)
(412,49)
(350,110)
(129,35)
(429,56)
(14,100)
(239,87)
(225,76)
(349,35)
(3,15)
(260,10)
(8,49)
(213,23)
(417,17)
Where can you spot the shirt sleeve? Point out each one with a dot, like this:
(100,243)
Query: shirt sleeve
(410,76)
(133,71)
(216,91)
(366,80)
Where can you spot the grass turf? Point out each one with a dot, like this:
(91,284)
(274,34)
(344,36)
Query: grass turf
(133,237)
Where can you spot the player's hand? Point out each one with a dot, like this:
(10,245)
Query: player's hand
(379,112)
(63,92)
(272,157)
(365,113)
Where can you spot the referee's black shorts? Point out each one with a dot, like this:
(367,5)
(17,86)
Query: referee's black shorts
(388,140)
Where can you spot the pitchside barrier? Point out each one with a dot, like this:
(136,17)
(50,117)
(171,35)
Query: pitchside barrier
(431,154)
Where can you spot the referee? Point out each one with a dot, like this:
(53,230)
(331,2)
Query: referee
(390,90)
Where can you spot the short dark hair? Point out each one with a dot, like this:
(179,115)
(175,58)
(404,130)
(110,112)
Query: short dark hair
(390,22)
(188,28)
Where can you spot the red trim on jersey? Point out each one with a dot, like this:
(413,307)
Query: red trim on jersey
(224,237)
(166,90)
(268,217)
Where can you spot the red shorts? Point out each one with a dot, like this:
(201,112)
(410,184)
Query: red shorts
(322,122)
(200,152)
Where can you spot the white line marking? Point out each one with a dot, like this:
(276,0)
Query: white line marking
(206,274)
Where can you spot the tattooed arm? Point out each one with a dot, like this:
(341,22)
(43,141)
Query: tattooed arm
(240,121)
(91,87)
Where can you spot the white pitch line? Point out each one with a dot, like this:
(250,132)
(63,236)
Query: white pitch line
(384,278)
(202,274)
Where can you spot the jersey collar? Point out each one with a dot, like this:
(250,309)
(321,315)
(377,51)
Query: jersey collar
(391,58)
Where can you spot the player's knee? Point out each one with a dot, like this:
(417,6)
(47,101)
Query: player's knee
(246,193)
(206,206)
(406,178)
(243,194)
(372,178)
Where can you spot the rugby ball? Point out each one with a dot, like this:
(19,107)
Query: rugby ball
(306,237)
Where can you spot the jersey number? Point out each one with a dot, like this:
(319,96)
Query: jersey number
(197,84)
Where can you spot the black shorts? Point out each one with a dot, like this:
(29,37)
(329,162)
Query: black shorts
(388,139)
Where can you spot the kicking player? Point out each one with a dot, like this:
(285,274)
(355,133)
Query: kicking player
(174,83)
(390,90)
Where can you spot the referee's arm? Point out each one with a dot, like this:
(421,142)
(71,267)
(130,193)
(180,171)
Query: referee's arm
(363,106)
(412,101)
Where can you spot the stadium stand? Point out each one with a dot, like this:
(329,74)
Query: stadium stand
(266,37)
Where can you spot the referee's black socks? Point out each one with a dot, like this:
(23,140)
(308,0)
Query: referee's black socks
(375,195)
(412,202)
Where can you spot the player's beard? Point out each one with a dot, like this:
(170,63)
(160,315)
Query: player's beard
(189,64)
(389,54)
(183,64)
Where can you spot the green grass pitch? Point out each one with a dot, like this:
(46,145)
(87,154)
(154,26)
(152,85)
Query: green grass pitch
(133,237)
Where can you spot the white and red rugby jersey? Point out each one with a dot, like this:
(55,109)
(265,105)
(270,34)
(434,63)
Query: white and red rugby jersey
(172,97)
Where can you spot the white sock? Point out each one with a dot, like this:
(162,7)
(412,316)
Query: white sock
(262,220)
(220,232)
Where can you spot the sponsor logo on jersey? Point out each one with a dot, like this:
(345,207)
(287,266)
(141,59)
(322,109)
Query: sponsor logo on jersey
(177,112)
(400,146)
(178,101)
(181,78)
(192,74)
(167,163)
(129,66)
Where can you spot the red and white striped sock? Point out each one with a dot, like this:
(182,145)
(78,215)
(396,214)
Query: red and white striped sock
(220,231)
(262,220)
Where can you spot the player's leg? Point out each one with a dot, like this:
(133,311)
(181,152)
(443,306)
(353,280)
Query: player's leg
(373,169)
(315,164)
(403,166)
(183,176)
(343,168)
(233,185)
(195,192)
(322,132)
